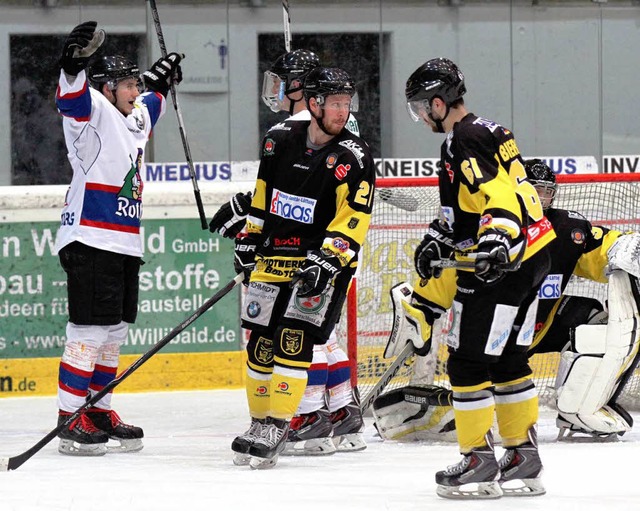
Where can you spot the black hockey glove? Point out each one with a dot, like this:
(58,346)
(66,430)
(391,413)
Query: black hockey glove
(437,244)
(163,73)
(81,43)
(492,259)
(317,271)
(230,219)
(245,255)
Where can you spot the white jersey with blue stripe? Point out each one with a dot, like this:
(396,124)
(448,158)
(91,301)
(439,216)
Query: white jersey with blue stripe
(103,206)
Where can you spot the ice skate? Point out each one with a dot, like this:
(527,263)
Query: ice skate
(241,444)
(521,468)
(81,437)
(267,447)
(606,425)
(128,437)
(310,434)
(475,477)
(347,428)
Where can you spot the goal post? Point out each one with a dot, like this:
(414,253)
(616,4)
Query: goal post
(402,209)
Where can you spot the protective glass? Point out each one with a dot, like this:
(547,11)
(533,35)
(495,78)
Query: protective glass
(273,91)
(418,109)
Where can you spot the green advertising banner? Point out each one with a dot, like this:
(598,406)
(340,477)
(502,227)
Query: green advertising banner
(184,266)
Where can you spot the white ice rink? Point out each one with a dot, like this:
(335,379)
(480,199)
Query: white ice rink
(186,465)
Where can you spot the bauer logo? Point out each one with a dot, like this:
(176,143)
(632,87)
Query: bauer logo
(292,207)
(551,288)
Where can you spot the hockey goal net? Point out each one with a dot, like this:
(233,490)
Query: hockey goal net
(403,208)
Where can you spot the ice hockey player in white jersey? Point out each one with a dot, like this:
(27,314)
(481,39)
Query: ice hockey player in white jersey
(329,417)
(107,123)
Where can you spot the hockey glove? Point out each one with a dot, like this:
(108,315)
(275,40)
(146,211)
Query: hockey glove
(245,256)
(81,43)
(163,73)
(492,259)
(420,318)
(437,244)
(317,271)
(230,219)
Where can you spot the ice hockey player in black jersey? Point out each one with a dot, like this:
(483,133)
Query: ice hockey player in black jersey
(308,218)
(491,218)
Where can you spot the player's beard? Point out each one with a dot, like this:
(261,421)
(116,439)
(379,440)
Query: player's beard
(335,127)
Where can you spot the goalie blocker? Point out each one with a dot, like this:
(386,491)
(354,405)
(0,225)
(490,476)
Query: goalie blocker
(598,363)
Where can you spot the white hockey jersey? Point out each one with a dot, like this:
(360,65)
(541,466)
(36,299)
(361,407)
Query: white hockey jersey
(103,207)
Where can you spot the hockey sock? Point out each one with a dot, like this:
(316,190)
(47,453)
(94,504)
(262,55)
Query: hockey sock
(516,410)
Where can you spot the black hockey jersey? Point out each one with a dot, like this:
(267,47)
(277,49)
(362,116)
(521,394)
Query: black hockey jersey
(309,199)
(579,249)
(483,185)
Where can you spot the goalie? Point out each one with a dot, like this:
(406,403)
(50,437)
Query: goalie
(599,349)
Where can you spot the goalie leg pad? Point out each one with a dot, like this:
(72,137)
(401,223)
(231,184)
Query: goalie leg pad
(415,413)
(602,356)
(398,338)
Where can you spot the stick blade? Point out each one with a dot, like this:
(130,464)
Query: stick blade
(4,464)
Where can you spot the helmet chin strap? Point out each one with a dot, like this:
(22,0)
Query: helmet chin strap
(439,125)
(320,123)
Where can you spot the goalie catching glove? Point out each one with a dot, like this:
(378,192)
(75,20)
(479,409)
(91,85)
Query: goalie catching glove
(437,244)
(412,322)
(492,258)
(317,271)
(231,218)
(164,72)
(81,43)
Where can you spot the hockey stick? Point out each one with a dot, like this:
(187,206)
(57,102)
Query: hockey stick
(384,380)
(287,25)
(183,134)
(14,462)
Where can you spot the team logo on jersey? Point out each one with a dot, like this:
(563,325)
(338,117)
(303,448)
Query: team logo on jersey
(310,304)
(353,223)
(331,160)
(578,237)
(253,310)
(264,350)
(269,147)
(355,149)
(293,207)
(132,187)
(340,244)
(291,341)
(341,171)
(447,166)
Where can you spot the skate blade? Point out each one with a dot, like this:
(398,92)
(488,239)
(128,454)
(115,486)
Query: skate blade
(241,459)
(523,488)
(71,448)
(263,463)
(125,445)
(353,442)
(575,436)
(312,447)
(471,491)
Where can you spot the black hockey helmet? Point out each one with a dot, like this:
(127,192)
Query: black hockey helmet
(435,78)
(295,65)
(326,81)
(543,179)
(110,69)
(291,66)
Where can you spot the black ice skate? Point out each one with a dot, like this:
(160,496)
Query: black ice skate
(347,428)
(475,477)
(81,437)
(241,444)
(521,468)
(310,435)
(265,450)
(129,437)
